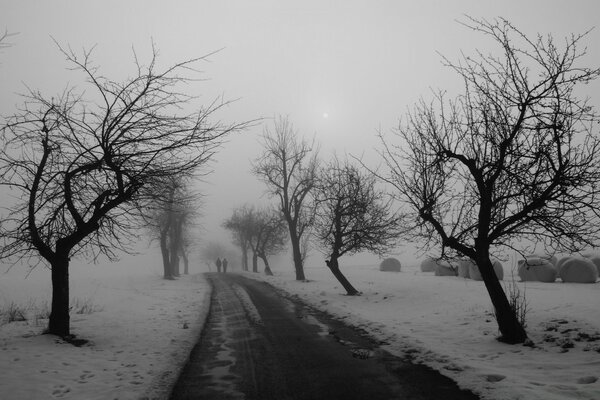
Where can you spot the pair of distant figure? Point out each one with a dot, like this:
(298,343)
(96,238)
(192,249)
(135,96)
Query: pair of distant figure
(221,264)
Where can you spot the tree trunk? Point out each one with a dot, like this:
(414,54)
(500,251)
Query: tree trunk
(59,323)
(175,245)
(511,330)
(254,262)
(174,263)
(267,268)
(165,256)
(297,254)
(186,262)
(245,259)
(335,269)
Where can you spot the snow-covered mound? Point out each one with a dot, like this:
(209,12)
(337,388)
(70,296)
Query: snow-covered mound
(445,268)
(578,270)
(464,264)
(543,256)
(562,260)
(595,258)
(390,264)
(475,274)
(537,269)
(428,265)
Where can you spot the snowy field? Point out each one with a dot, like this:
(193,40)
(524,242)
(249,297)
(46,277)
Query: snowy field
(446,323)
(140,327)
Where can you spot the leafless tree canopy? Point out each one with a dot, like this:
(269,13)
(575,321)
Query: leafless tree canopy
(261,230)
(288,166)
(240,224)
(80,163)
(352,215)
(513,157)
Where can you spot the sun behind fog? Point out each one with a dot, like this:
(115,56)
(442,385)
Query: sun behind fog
(325,115)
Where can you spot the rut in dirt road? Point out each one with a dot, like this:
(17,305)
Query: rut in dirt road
(257,344)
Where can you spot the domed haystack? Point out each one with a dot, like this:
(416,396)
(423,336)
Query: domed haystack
(563,260)
(475,274)
(578,270)
(537,269)
(542,256)
(498,269)
(593,257)
(444,268)
(390,265)
(428,265)
(464,265)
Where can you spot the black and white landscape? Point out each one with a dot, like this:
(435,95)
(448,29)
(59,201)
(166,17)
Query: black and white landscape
(413,185)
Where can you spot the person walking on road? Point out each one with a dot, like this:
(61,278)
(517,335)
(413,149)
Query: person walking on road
(224,265)
(218,262)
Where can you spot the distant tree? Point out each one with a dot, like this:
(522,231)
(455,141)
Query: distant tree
(513,158)
(181,214)
(240,224)
(252,229)
(269,235)
(82,165)
(261,230)
(188,241)
(288,166)
(352,215)
(173,212)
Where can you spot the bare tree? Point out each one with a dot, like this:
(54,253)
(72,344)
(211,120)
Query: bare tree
(288,166)
(181,213)
(240,224)
(188,238)
(352,215)
(260,230)
(512,158)
(83,164)
(269,233)
(174,209)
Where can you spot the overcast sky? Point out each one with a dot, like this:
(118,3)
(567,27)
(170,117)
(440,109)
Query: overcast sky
(340,70)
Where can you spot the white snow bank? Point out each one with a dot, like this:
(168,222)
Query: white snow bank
(140,334)
(447,323)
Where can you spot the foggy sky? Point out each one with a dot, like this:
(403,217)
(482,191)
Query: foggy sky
(360,62)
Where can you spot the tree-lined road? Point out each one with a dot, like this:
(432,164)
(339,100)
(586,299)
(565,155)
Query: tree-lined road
(257,344)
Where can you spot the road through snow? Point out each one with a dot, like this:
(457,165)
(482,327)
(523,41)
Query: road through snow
(259,344)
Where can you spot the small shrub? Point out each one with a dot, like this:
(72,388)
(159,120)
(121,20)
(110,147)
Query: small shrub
(15,313)
(518,301)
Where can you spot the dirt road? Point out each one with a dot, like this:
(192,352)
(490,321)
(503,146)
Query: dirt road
(258,344)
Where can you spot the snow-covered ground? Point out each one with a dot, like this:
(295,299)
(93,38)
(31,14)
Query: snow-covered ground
(446,322)
(141,329)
